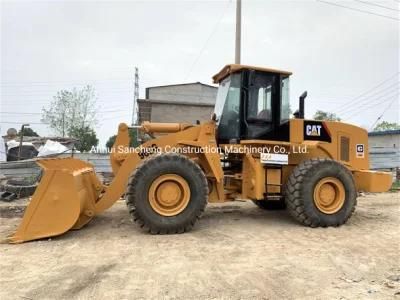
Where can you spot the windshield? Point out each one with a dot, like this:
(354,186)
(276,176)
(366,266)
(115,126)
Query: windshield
(227,107)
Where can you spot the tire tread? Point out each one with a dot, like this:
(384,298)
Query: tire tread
(141,170)
(293,192)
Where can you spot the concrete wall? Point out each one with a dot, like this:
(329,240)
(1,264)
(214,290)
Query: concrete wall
(144,108)
(193,93)
(183,103)
(165,112)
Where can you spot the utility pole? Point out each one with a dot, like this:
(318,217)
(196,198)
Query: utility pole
(238,30)
(135,97)
(20,139)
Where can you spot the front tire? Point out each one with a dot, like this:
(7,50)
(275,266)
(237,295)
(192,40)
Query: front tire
(167,194)
(321,193)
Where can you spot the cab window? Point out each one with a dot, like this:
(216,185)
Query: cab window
(285,104)
(259,106)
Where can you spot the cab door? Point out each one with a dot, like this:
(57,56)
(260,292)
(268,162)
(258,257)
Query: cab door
(260,107)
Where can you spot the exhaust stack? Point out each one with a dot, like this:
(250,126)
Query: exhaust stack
(301,105)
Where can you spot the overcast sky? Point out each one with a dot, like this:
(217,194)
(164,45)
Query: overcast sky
(347,60)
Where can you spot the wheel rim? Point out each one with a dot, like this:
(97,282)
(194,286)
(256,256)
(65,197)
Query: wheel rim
(169,195)
(329,195)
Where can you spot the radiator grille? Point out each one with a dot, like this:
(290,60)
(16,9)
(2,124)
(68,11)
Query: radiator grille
(344,148)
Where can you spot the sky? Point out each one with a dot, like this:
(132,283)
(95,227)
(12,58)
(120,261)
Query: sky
(347,59)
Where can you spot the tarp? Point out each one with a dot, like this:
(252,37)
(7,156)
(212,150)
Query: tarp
(14,143)
(52,147)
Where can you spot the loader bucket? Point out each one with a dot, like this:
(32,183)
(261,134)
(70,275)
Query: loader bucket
(64,200)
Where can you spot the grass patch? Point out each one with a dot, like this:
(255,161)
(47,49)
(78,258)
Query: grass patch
(395,186)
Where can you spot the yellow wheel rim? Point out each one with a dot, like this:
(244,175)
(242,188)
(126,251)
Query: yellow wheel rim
(169,195)
(329,195)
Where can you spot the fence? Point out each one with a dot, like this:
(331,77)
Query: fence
(380,159)
(28,168)
(384,158)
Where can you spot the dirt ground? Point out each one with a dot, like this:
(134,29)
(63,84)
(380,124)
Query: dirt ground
(236,251)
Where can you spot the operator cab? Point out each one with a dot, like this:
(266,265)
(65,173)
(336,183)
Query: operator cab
(252,103)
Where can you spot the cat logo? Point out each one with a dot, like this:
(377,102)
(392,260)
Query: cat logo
(313,130)
(316,131)
(360,150)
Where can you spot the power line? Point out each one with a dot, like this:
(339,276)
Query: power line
(383,113)
(100,98)
(359,10)
(372,103)
(207,41)
(361,109)
(46,104)
(19,113)
(367,92)
(39,113)
(104,94)
(52,93)
(367,100)
(13,122)
(55,82)
(114,117)
(378,5)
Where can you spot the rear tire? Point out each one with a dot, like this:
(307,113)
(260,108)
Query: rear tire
(314,206)
(270,204)
(180,180)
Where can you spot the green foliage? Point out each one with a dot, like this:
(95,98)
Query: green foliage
(28,132)
(395,186)
(86,137)
(71,109)
(382,126)
(110,142)
(132,135)
(325,116)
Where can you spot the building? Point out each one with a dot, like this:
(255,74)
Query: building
(386,139)
(182,103)
(384,149)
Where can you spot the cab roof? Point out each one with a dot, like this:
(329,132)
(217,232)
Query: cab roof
(233,68)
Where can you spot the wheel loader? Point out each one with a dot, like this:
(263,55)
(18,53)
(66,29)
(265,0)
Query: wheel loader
(249,149)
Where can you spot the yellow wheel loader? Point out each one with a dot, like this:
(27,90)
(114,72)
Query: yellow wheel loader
(250,149)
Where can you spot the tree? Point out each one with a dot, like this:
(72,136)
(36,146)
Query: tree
(70,110)
(132,135)
(325,116)
(86,137)
(28,132)
(382,126)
